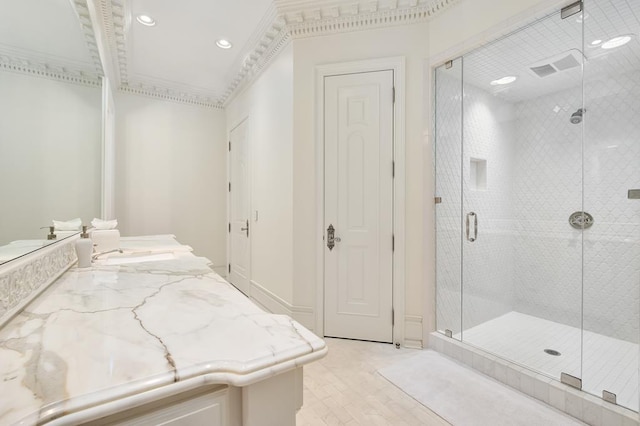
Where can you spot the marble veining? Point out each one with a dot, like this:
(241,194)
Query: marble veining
(103,333)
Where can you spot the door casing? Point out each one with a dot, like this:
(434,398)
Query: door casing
(397,64)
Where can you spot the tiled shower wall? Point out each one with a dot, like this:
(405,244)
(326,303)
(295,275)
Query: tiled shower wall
(549,187)
(527,258)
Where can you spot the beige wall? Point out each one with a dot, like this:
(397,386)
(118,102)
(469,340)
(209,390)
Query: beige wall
(268,106)
(50,148)
(170,173)
(408,41)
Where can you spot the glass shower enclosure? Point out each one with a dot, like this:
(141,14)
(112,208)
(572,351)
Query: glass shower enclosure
(537,171)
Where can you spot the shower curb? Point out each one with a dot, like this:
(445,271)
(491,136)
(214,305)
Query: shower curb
(581,405)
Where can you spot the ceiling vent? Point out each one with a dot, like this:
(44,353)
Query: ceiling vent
(562,62)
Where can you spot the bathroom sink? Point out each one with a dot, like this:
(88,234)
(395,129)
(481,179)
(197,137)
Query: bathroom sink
(127,258)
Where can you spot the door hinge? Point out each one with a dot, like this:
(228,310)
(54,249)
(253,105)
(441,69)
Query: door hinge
(571,10)
(229,268)
(437,200)
(229,146)
(229,227)
(229,186)
(393,169)
(393,242)
(393,95)
(393,317)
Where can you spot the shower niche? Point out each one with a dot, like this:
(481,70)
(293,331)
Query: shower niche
(528,286)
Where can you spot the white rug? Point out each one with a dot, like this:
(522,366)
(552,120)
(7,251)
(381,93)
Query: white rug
(464,397)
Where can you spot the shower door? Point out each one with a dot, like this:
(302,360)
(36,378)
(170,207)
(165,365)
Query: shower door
(538,198)
(519,168)
(448,159)
(611,169)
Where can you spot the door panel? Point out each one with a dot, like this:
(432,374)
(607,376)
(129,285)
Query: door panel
(359,205)
(240,209)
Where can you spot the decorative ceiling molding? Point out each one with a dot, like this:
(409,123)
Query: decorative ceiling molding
(82,11)
(265,43)
(168,95)
(358,17)
(284,21)
(42,70)
(40,65)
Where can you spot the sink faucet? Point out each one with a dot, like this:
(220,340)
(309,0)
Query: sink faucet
(97,255)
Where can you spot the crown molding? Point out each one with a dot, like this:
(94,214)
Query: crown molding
(39,64)
(169,95)
(51,72)
(362,16)
(82,11)
(284,21)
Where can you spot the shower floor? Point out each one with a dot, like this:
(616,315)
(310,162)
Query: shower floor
(609,364)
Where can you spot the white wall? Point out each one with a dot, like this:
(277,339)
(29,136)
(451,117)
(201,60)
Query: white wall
(171,173)
(50,150)
(268,105)
(409,41)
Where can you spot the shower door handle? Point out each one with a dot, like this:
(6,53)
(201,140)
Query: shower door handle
(475,226)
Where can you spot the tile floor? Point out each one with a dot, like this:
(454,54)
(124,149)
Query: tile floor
(602,362)
(344,388)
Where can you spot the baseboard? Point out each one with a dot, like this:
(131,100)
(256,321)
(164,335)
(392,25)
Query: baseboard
(413,332)
(273,303)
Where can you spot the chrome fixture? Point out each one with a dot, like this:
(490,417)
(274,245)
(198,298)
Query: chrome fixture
(475,226)
(246,228)
(331,237)
(581,220)
(609,397)
(51,235)
(570,380)
(97,255)
(576,117)
(633,194)
(571,10)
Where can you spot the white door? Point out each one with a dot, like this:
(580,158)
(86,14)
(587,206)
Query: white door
(359,206)
(239,213)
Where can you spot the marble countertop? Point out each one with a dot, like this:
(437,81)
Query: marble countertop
(101,334)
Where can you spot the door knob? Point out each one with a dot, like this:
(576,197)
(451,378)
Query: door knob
(246,228)
(331,237)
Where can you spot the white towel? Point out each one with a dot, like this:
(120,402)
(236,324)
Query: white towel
(104,224)
(67,225)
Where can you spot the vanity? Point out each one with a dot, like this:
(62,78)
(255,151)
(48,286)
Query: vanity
(148,336)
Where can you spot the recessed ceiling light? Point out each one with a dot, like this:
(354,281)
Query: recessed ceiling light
(504,80)
(146,20)
(596,42)
(224,44)
(616,42)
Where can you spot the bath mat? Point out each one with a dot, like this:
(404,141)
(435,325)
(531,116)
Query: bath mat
(464,397)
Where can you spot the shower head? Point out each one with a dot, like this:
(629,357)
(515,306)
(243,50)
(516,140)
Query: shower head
(576,117)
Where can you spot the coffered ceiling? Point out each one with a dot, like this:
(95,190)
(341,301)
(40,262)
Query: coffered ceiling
(177,58)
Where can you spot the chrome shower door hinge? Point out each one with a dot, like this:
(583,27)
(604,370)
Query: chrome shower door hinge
(609,397)
(570,380)
(571,10)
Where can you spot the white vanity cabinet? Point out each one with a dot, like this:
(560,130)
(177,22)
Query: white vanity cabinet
(270,402)
(212,406)
(162,342)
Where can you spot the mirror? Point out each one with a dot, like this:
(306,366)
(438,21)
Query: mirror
(50,121)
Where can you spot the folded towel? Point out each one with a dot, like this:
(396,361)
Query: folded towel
(68,225)
(105,239)
(104,224)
